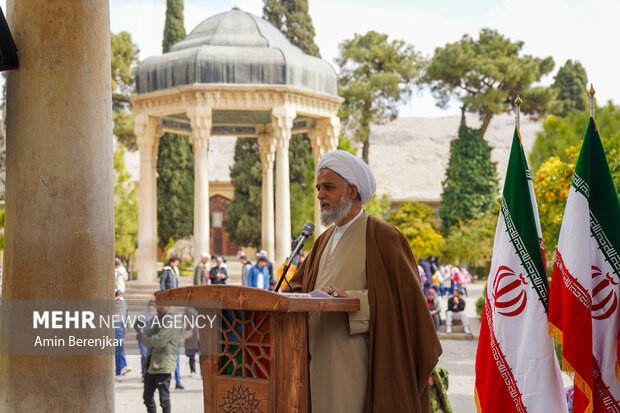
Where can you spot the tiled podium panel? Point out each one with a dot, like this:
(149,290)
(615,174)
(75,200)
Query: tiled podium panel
(244,363)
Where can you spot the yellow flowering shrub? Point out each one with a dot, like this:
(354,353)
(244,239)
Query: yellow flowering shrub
(551,184)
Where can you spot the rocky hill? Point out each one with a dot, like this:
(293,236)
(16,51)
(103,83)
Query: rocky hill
(409,156)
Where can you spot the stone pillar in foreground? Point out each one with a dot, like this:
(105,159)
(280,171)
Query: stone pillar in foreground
(323,138)
(59,193)
(282,123)
(267,150)
(200,118)
(148,132)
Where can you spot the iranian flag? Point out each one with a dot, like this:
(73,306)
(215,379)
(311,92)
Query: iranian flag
(516,366)
(584,313)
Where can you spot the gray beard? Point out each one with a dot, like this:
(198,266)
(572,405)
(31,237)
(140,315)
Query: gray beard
(338,211)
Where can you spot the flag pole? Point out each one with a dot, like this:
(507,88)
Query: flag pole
(518,116)
(591,92)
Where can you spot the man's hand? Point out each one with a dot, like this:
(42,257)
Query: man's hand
(334,292)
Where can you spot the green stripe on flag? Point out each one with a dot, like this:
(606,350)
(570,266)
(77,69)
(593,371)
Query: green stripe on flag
(593,180)
(520,220)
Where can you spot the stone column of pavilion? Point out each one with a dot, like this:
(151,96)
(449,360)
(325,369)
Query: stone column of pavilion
(282,123)
(267,150)
(148,131)
(200,117)
(59,194)
(323,138)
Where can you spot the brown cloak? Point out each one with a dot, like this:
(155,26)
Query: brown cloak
(404,347)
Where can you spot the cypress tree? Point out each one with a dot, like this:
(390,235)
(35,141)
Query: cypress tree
(291,17)
(175,189)
(174,28)
(243,221)
(175,162)
(244,215)
(471,183)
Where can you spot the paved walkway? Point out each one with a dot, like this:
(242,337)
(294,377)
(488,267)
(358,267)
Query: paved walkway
(458,357)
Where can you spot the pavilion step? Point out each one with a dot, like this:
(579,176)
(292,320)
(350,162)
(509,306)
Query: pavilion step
(455,336)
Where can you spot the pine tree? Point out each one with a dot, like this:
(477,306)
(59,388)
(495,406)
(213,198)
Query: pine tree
(571,83)
(175,163)
(376,77)
(291,17)
(486,74)
(471,183)
(243,221)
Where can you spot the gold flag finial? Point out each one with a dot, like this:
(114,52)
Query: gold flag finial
(518,101)
(591,93)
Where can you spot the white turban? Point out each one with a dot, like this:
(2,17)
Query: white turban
(352,169)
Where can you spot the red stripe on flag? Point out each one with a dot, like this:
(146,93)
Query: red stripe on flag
(570,312)
(496,388)
(604,401)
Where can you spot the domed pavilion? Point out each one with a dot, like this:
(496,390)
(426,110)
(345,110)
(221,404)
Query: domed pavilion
(234,75)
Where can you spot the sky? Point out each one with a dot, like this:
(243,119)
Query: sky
(563,29)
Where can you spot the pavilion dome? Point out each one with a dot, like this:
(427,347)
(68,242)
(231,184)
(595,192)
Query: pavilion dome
(235,47)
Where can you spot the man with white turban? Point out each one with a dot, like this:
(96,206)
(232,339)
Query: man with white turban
(377,359)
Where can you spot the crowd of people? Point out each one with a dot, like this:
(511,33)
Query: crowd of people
(441,280)
(158,357)
(444,279)
(437,280)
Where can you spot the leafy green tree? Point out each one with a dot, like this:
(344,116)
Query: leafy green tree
(243,221)
(471,183)
(376,76)
(551,184)
(571,84)
(471,242)
(175,163)
(291,17)
(559,133)
(612,152)
(124,59)
(486,74)
(413,219)
(553,177)
(345,144)
(175,188)
(379,206)
(125,209)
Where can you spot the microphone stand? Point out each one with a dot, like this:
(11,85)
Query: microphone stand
(283,278)
(306,232)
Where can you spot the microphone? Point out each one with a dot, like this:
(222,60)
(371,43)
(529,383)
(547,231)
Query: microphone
(306,232)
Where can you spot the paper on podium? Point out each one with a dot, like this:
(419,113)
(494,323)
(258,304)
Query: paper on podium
(312,294)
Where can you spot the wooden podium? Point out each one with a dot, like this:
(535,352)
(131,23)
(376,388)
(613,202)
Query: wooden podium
(260,362)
